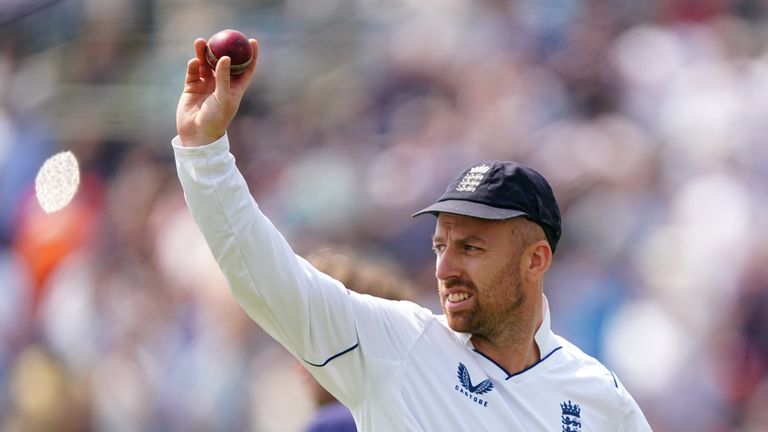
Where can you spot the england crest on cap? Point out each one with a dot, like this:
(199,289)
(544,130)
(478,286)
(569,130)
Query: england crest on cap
(473,178)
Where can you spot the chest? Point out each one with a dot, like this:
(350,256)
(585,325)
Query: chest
(448,386)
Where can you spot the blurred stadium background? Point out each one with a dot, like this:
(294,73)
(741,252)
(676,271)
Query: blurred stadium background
(649,117)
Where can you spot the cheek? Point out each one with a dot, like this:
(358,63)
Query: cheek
(503,282)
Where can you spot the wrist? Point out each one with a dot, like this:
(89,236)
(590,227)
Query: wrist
(180,145)
(199,140)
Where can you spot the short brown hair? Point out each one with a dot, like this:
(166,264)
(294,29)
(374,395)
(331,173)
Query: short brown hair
(365,275)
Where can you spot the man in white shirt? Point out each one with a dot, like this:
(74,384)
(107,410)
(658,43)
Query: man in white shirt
(489,363)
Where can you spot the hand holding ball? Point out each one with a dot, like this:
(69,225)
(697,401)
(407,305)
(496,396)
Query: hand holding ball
(233,44)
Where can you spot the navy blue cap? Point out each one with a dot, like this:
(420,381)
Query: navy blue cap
(502,190)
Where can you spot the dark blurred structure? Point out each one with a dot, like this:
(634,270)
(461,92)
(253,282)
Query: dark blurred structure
(647,117)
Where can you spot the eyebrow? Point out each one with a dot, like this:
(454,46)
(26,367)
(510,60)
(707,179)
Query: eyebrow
(464,240)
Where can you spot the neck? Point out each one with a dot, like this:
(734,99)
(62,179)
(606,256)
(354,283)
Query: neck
(515,349)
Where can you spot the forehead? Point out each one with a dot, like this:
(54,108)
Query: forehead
(467,225)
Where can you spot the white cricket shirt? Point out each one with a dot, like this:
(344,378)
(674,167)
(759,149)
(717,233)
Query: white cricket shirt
(396,365)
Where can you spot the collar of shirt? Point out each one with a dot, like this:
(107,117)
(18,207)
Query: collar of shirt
(544,337)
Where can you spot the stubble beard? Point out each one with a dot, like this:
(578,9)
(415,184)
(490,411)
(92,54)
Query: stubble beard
(496,318)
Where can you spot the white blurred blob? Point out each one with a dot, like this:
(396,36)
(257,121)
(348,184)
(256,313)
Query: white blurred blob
(693,263)
(57,181)
(717,207)
(609,148)
(198,273)
(701,116)
(7,135)
(647,55)
(69,313)
(645,346)
(426,34)
(286,406)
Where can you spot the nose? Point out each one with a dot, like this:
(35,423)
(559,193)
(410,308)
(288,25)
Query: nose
(447,265)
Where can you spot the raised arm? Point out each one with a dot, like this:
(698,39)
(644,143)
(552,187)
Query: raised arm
(210,98)
(274,286)
(330,329)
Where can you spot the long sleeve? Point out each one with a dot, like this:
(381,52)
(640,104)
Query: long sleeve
(311,314)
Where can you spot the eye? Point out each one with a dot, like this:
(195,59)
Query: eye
(438,248)
(471,248)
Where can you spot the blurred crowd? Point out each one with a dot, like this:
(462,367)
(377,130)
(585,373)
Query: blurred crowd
(648,117)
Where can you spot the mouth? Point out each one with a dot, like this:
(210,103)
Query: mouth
(457,300)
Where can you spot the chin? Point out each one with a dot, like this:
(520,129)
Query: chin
(458,324)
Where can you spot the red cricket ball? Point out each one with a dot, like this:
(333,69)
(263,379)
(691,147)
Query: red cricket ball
(233,44)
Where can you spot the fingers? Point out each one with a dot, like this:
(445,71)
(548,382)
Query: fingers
(213,91)
(200,47)
(193,71)
(252,65)
(241,82)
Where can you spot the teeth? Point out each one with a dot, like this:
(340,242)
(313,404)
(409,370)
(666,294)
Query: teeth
(457,297)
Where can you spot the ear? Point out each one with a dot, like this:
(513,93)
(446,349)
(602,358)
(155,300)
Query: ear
(539,260)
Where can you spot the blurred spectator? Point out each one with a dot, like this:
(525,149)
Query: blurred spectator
(43,396)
